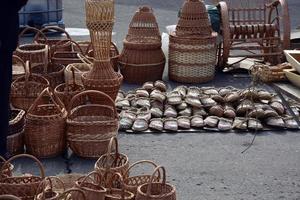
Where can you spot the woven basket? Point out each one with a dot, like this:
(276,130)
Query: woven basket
(92,186)
(79,68)
(35,53)
(16,122)
(156,190)
(90,126)
(69,181)
(17,67)
(25,186)
(52,42)
(47,189)
(45,126)
(84,46)
(118,194)
(131,183)
(6,171)
(53,72)
(15,143)
(73,194)
(192,60)
(269,74)
(66,91)
(111,163)
(25,89)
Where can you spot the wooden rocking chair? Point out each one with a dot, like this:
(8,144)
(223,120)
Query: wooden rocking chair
(254,29)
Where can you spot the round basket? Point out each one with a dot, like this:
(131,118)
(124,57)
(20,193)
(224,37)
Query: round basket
(35,53)
(45,126)
(118,194)
(16,122)
(131,183)
(47,189)
(6,170)
(156,190)
(92,186)
(25,186)
(192,59)
(25,89)
(53,72)
(15,143)
(111,163)
(17,67)
(90,126)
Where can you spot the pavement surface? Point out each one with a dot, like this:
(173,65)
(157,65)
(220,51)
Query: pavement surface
(206,166)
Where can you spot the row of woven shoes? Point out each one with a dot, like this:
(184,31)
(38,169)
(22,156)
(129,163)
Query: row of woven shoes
(223,109)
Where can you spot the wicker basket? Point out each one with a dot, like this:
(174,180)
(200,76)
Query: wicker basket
(192,59)
(111,163)
(35,53)
(16,122)
(92,186)
(90,126)
(6,171)
(80,68)
(270,74)
(45,126)
(131,183)
(84,46)
(25,89)
(25,186)
(156,190)
(142,54)
(47,189)
(118,194)
(53,72)
(15,143)
(69,181)
(17,67)
(52,42)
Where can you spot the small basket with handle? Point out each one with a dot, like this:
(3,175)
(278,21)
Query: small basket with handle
(116,193)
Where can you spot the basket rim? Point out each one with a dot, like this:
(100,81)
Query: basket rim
(97,167)
(172,192)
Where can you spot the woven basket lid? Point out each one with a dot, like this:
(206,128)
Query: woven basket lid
(143,26)
(193,19)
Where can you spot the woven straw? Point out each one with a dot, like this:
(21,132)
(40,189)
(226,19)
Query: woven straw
(131,183)
(6,171)
(156,190)
(15,143)
(84,46)
(111,163)
(92,121)
(17,67)
(25,186)
(118,194)
(53,72)
(66,91)
(34,52)
(47,189)
(25,89)
(68,180)
(45,126)
(270,74)
(79,68)
(192,60)
(16,122)
(92,186)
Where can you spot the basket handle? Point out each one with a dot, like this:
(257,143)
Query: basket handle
(64,195)
(152,178)
(112,141)
(56,101)
(43,184)
(110,184)
(18,59)
(84,59)
(47,28)
(141,162)
(2,159)
(40,165)
(37,31)
(9,197)
(89,177)
(62,42)
(95,92)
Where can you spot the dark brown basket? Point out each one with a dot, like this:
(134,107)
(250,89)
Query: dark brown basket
(45,126)
(15,143)
(17,121)
(91,122)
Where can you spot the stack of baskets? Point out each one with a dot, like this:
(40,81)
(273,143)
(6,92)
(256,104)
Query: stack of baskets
(192,47)
(142,58)
(100,20)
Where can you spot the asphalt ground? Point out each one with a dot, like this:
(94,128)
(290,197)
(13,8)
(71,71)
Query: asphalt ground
(208,165)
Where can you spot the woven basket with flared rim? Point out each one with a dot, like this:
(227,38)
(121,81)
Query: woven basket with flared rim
(156,190)
(53,72)
(6,171)
(192,60)
(47,190)
(52,41)
(91,122)
(111,163)
(25,89)
(35,53)
(100,21)
(17,67)
(25,186)
(66,91)
(116,193)
(131,183)
(66,57)
(16,122)
(91,185)
(45,126)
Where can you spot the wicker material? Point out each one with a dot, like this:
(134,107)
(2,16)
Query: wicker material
(6,171)
(15,143)
(35,53)
(16,122)
(131,183)
(45,126)
(92,121)
(111,163)
(79,69)
(68,180)
(9,197)
(156,190)
(17,67)
(118,194)
(53,72)
(47,189)
(142,54)
(24,186)
(25,89)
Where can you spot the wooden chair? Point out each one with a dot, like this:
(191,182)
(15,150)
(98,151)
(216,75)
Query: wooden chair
(254,29)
